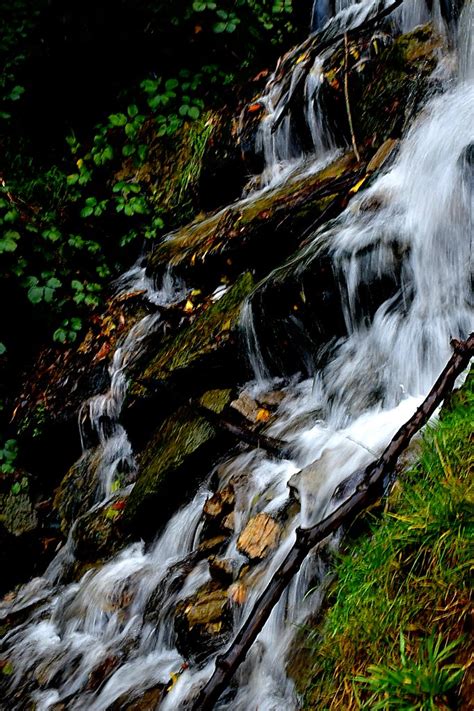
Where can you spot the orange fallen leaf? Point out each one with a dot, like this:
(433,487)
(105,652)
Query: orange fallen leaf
(263,415)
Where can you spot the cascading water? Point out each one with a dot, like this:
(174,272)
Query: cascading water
(419,214)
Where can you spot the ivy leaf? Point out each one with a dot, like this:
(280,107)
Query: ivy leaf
(117,120)
(8,243)
(35,294)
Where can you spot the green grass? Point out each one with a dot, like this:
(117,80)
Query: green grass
(394,633)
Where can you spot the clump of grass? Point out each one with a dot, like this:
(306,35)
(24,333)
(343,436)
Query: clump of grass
(397,616)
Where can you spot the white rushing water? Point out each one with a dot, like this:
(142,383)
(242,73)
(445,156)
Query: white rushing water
(418,214)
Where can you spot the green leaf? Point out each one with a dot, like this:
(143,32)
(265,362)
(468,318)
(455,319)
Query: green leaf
(193,112)
(171,84)
(3,348)
(117,120)
(35,294)
(128,150)
(132,110)
(53,283)
(87,211)
(8,243)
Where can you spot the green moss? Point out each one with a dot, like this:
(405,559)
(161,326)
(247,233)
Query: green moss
(245,222)
(408,576)
(211,330)
(398,79)
(170,462)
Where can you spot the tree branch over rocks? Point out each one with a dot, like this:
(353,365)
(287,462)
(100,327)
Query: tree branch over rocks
(369,489)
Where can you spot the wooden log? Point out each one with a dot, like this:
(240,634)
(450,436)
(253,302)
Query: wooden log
(368,490)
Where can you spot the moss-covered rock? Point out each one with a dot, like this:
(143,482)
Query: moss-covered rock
(212,330)
(178,454)
(242,235)
(77,491)
(98,533)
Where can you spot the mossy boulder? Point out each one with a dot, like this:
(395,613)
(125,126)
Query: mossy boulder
(256,233)
(77,491)
(175,459)
(98,533)
(205,338)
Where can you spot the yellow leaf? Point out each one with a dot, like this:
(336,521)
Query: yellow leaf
(302,57)
(357,186)
(263,415)
(189,306)
(80,163)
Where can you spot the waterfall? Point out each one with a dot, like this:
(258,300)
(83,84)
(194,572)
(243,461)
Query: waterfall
(413,223)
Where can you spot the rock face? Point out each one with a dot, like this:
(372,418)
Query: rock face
(259,537)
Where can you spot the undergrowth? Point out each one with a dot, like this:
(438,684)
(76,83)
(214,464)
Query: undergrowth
(395,631)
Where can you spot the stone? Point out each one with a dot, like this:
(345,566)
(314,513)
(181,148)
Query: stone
(222,570)
(77,491)
(220,502)
(174,460)
(203,621)
(259,537)
(99,532)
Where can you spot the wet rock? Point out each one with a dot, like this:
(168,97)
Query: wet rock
(77,491)
(203,621)
(256,229)
(238,593)
(176,457)
(148,701)
(204,339)
(99,532)
(209,545)
(222,570)
(228,522)
(102,671)
(220,503)
(247,407)
(259,537)
(17,512)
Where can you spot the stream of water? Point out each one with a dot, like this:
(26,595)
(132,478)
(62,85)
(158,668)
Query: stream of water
(415,220)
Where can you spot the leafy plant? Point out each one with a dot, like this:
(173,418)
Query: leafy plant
(68,331)
(8,455)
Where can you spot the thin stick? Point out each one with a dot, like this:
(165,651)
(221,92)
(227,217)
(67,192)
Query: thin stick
(346,97)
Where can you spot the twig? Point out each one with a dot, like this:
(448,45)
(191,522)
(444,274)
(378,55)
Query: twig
(368,491)
(346,97)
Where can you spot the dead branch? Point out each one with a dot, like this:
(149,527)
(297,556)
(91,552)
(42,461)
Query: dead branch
(346,97)
(369,490)
(276,447)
